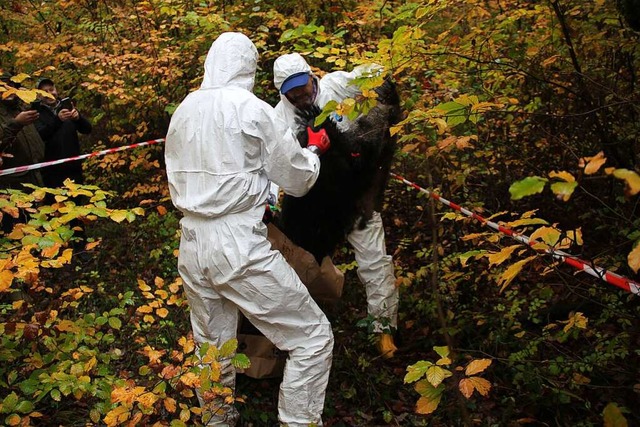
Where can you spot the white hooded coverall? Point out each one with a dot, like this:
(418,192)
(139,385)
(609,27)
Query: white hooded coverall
(375,267)
(223,147)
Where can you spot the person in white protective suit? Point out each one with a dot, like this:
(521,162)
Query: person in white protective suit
(300,88)
(223,147)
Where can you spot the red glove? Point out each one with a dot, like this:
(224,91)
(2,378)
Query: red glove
(319,140)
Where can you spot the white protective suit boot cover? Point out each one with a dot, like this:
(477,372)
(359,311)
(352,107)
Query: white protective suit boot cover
(376,272)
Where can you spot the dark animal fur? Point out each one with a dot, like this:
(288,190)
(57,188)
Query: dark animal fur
(353,176)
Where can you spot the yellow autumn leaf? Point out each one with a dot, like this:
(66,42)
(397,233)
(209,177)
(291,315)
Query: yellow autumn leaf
(175,286)
(185,415)
(162,312)
(13,420)
(441,125)
(593,164)
(631,178)
(563,175)
(613,416)
(510,273)
(65,258)
(116,416)
(190,379)
(444,361)
(118,215)
(575,236)
(144,309)
(580,379)
(468,385)
(6,278)
(549,235)
(67,326)
(16,233)
(169,404)
(187,344)
(477,366)
(51,251)
(90,364)
(142,285)
(426,406)
(498,258)
(577,320)
(91,245)
(153,354)
(481,385)
(633,259)
(435,375)
(148,399)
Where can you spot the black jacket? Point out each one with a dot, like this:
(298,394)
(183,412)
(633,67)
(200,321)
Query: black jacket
(24,144)
(61,141)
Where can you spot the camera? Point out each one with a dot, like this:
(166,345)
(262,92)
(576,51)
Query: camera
(35,105)
(65,104)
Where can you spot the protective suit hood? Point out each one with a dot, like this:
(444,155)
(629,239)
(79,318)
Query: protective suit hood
(288,65)
(232,61)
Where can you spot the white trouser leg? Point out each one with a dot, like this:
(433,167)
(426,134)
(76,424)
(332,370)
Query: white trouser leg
(375,270)
(235,269)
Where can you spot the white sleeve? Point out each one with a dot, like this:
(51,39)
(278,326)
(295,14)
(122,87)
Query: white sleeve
(291,167)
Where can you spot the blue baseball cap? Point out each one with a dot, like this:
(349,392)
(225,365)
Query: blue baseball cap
(294,81)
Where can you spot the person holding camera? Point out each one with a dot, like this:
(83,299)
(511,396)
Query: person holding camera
(20,143)
(58,125)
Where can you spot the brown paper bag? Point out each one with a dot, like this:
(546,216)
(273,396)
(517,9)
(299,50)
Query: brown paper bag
(267,361)
(324,283)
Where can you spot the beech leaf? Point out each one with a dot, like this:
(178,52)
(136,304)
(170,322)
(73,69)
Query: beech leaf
(477,366)
(527,187)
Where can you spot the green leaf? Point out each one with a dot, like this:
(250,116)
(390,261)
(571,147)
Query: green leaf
(329,108)
(55,395)
(25,407)
(241,361)
(160,388)
(416,371)
(95,415)
(426,389)
(464,258)
(527,187)
(563,190)
(229,348)
(9,403)
(115,323)
(443,351)
(29,386)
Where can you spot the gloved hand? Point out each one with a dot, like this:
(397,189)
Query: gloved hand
(319,139)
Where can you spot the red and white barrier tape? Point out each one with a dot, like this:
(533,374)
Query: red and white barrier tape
(72,159)
(608,276)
